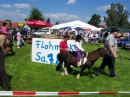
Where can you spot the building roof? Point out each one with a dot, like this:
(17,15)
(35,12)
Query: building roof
(104,26)
(14,24)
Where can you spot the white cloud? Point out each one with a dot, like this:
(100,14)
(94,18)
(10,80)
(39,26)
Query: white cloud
(129,19)
(104,8)
(102,22)
(14,16)
(22,5)
(71,2)
(62,17)
(102,18)
(17,10)
(5,5)
(86,19)
(17,15)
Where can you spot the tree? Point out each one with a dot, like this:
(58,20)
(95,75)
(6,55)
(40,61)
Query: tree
(59,22)
(48,20)
(95,20)
(35,14)
(129,25)
(56,23)
(25,19)
(117,16)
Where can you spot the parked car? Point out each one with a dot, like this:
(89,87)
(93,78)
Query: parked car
(39,32)
(127,45)
(42,31)
(123,41)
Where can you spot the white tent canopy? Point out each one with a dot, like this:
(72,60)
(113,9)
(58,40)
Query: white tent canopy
(98,29)
(74,24)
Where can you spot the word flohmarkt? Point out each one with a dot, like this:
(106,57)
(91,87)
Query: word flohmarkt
(41,44)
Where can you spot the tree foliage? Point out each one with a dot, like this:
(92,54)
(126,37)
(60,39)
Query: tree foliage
(117,16)
(57,23)
(95,20)
(48,20)
(35,14)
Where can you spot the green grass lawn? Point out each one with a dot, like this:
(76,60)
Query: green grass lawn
(31,76)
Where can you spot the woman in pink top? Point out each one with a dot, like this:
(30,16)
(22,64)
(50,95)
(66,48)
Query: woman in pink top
(3,28)
(4,31)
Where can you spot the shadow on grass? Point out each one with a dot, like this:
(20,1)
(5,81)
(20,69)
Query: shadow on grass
(124,49)
(9,77)
(95,69)
(10,54)
(76,72)
(85,72)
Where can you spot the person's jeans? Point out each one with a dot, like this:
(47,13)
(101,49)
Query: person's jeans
(10,37)
(18,42)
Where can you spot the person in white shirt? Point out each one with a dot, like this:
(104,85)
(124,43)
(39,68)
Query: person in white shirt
(86,37)
(18,39)
(96,37)
(79,49)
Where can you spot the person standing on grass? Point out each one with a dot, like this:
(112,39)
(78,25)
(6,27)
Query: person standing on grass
(96,36)
(109,59)
(91,36)
(23,43)
(18,39)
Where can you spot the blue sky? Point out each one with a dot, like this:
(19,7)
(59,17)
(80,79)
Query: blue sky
(57,10)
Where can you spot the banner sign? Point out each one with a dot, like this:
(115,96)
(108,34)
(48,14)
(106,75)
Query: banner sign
(46,50)
(21,24)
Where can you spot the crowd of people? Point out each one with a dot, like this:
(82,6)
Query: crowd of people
(88,36)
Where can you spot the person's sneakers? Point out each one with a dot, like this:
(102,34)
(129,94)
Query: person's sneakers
(98,74)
